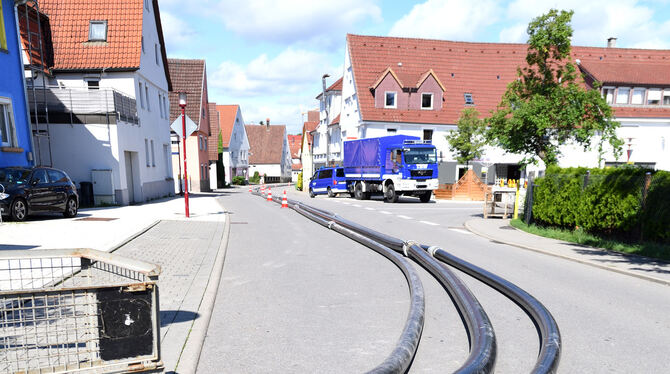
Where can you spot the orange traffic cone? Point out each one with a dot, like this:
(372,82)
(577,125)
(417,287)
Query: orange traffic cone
(249,188)
(284,202)
(269,194)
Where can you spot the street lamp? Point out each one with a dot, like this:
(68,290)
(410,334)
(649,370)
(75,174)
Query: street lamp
(182,105)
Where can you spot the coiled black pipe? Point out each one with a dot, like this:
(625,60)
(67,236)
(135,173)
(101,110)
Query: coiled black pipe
(550,336)
(547,328)
(483,348)
(401,356)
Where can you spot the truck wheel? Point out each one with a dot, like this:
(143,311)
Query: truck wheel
(330,193)
(425,197)
(390,196)
(358,191)
(311,193)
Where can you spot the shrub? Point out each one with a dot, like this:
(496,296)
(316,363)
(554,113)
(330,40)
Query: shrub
(255,178)
(608,202)
(238,180)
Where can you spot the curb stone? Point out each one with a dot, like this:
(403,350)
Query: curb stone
(570,258)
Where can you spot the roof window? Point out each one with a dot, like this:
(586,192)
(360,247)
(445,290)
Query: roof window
(389,100)
(468,99)
(426,101)
(97,31)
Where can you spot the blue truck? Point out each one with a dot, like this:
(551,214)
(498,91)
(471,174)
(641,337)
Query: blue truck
(392,166)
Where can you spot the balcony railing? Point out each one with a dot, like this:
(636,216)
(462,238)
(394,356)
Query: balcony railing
(81,105)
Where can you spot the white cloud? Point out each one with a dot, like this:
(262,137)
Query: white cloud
(273,87)
(291,72)
(632,22)
(176,33)
(291,21)
(447,19)
(514,34)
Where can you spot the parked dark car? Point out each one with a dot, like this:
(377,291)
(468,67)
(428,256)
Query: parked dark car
(25,191)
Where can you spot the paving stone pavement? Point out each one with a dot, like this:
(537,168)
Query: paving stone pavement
(185,252)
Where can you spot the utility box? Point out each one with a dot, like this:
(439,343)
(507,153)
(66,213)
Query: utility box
(103,187)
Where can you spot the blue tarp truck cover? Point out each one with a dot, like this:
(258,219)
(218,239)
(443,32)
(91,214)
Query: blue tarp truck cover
(363,157)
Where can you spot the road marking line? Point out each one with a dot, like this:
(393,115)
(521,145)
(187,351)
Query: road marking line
(430,223)
(462,231)
(404,217)
(368,208)
(345,203)
(357,206)
(384,212)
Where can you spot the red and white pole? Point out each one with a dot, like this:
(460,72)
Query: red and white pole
(183,134)
(269,194)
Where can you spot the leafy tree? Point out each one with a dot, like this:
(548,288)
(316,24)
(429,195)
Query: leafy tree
(467,142)
(548,105)
(219,144)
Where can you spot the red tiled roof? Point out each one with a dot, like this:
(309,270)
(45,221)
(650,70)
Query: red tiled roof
(337,86)
(307,129)
(313,115)
(294,145)
(629,72)
(335,121)
(227,116)
(69,22)
(213,140)
(188,76)
(483,69)
(296,167)
(266,143)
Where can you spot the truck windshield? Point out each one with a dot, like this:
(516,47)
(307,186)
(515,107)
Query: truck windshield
(420,156)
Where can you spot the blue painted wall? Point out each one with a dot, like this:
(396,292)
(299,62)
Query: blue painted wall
(11,86)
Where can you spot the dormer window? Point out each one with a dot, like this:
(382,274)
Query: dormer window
(622,95)
(654,96)
(426,101)
(608,94)
(468,99)
(97,31)
(390,100)
(638,96)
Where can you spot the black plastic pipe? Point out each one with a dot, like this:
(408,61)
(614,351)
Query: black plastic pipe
(402,355)
(550,336)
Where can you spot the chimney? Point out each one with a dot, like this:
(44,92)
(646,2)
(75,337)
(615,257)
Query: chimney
(611,42)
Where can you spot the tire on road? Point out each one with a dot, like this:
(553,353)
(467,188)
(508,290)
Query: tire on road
(358,191)
(70,208)
(425,197)
(390,196)
(18,210)
(330,193)
(311,193)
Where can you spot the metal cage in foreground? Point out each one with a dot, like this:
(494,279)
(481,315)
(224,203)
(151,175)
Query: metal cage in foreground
(77,310)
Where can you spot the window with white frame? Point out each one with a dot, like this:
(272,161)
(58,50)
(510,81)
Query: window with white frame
(200,142)
(205,143)
(6,122)
(141,95)
(638,96)
(390,100)
(666,96)
(143,44)
(469,100)
(426,101)
(622,95)
(156,53)
(160,104)
(153,155)
(608,94)
(146,151)
(654,96)
(97,31)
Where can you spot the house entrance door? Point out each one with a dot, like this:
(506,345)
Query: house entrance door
(129,177)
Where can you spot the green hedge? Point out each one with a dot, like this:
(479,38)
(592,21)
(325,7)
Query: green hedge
(608,202)
(238,180)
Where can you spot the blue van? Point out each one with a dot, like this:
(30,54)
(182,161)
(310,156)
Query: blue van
(328,180)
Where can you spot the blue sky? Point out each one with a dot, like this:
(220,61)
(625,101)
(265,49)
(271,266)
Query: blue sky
(269,55)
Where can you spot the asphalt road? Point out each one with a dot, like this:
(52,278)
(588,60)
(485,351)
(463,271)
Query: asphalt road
(609,322)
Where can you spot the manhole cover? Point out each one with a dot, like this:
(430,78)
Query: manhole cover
(101,219)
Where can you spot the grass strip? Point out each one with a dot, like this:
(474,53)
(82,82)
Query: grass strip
(647,249)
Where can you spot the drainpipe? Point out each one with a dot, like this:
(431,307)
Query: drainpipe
(325,108)
(31,154)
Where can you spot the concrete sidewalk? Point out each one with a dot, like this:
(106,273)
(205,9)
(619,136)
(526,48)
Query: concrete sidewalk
(499,230)
(189,251)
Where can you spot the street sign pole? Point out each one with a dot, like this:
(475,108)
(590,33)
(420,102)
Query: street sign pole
(183,137)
